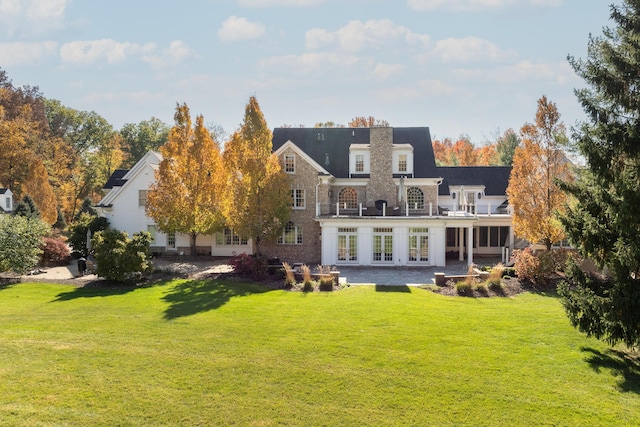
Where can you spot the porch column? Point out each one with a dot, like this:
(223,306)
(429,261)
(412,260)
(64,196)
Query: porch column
(470,245)
(461,244)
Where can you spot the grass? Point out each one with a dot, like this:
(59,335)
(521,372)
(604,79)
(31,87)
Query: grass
(220,353)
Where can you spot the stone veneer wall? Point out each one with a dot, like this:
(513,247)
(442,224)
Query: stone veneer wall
(305,177)
(381,185)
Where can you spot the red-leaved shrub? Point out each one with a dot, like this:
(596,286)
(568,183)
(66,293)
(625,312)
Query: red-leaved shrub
(55,252)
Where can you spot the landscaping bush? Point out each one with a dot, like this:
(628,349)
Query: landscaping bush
(54,252)
(536,268)
(289,276)
(122,259)
(307,281)
(326,280)
(251,266)
(464,288)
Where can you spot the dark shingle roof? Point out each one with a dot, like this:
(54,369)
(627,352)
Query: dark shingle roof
(115,180)
(332,144)
(3,190)
(494,178)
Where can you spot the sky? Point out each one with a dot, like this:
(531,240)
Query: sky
(460,67)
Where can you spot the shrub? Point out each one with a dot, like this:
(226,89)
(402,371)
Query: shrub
(496,288)
(307,282)
(326,280)
(55,252)
(122,259)
(464,288)
(289,276)
(537,269)
(496,273)
(481,288)
(254,267)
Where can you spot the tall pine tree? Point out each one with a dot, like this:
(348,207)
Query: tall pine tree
(604,222)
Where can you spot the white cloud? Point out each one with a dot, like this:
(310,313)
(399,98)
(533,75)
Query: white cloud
(523,71)
(269,3)
(470,49)
(88,52)
(475,5)
(26,52)
(31,16)
(177,52)
(385,71)
(419,90)
(238,29)
(358,35)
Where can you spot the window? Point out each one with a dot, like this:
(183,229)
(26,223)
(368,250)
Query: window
(171,240)
(8,203)
(297,198)
(402,163)
(152,230)
(382,244)
(347,244)
(359,162)
(142,197)
(415,198)
(419,244)
(290,163)
(291,235)
(348,198)
(227,237)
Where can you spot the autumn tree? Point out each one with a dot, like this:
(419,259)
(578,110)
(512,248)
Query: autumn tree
(533,190)
(257,201)
(187,194)
(367,122)
(604,221)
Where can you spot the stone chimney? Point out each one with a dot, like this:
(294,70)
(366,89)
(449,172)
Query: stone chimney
(381,185)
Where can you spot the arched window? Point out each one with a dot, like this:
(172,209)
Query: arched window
(415,198)
(348,198)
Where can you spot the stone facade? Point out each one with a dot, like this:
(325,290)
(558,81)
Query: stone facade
(305,177)
(381,185)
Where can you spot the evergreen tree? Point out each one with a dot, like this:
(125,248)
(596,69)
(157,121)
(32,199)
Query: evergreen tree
(604,221)
(27,208)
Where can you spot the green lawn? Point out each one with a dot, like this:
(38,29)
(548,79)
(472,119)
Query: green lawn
(221,353)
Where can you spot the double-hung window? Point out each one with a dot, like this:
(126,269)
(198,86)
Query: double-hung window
(297,198)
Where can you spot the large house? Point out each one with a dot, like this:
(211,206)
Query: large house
(360,196)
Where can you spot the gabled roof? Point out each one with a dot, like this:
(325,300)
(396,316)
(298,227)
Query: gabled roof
(115,180)
(329,147)
(290,145)
(150,159)
(3,190)
(495,179)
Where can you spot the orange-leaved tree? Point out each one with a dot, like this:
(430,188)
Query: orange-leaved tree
(538,164)
(258,198)
(187,194)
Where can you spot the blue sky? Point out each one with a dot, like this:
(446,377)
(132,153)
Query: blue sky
(471,67)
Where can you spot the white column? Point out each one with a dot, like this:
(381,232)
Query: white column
(470,245)
(461,244)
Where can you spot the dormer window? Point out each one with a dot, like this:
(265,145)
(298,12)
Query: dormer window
(402,163)
(359,159)
(290,163)
(403,159)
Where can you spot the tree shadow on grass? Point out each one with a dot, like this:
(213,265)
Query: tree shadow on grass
(622,364)
(94,290)
(392,288)
(198,296)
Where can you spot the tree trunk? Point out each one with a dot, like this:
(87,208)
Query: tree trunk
(194,236)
